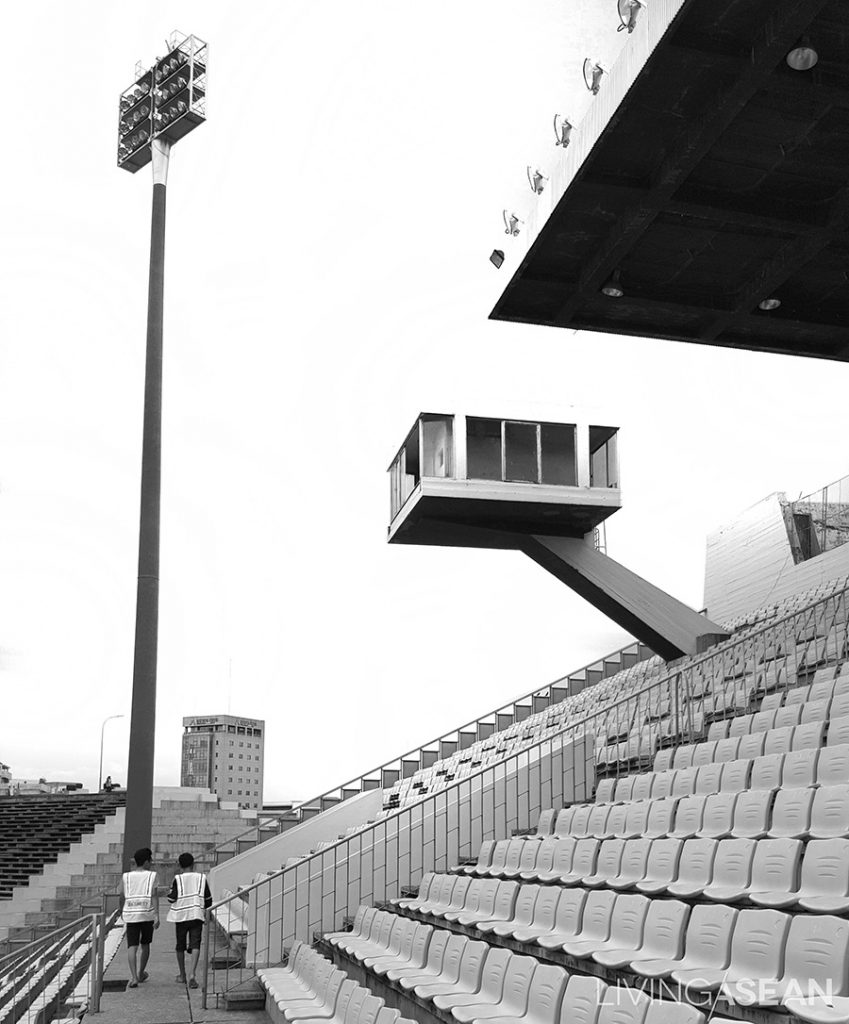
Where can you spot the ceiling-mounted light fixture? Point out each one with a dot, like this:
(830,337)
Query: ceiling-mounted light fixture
(628,11)
(771,303)
(611,287)
(496,258)
(512,224)
(803,56)
(592,75)
(562,131)
(536,179)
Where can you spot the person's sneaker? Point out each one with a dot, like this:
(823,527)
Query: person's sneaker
(132,984)
(192,983)
(144,976)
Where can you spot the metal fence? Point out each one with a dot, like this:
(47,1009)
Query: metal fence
(319,893)
(37,978)
(821,519)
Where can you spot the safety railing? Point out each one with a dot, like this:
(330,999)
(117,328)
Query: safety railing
(822,519)
(37,978)
(424,756)
(257,926)
(105,901)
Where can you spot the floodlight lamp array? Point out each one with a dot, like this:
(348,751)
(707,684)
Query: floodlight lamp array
(166,101)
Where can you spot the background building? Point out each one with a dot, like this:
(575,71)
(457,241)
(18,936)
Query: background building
(224,754)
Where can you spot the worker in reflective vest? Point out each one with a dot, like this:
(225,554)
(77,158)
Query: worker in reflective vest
(189,898)
(140,912)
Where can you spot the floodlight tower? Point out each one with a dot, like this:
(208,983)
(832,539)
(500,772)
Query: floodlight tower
(164,103)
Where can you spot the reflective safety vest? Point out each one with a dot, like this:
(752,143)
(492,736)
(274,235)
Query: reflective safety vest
(189,904)
(139,897)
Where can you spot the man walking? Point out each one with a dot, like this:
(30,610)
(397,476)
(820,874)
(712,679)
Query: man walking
(140,911)
(189,898)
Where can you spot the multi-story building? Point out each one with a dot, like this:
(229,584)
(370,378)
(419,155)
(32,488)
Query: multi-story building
(225,754)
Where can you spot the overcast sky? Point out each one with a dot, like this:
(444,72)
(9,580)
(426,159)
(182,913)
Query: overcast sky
(327,278)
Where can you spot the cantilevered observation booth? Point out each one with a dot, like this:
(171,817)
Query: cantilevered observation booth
(704,195)
(537,487)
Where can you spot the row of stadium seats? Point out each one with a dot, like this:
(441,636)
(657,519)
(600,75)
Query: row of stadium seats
(309,987)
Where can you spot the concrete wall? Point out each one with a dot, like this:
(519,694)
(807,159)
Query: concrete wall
(749,563)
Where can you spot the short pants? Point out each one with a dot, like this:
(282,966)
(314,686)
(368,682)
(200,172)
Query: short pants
(188,935)
(139,932)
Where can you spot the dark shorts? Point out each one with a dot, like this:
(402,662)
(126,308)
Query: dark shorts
(188,935)
(139,932)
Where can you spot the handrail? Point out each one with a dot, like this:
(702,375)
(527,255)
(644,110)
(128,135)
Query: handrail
(694,661)
(423,746)
(102,895)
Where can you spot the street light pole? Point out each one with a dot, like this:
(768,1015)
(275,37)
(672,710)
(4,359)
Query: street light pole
(100,769)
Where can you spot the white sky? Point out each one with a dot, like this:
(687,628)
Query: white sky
(327,278)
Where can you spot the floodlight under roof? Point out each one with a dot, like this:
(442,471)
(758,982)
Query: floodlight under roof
(512,223)
(536,179)
(592,75)
(768,304)
(628,11)
(612,287)
(562,131)
(802,57)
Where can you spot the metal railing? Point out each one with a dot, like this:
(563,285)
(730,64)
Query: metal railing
(37,978)
(320,892)
(822,519)
(107,900)
(384,775)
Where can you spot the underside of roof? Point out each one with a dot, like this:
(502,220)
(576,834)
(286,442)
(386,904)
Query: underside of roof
(721,181)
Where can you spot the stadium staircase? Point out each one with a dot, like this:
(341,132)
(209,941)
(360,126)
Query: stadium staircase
(713,852)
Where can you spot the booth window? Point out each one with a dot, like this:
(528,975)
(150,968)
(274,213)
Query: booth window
(604,457)
(483,449)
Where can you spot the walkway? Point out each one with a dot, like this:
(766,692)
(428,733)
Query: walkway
(160,999)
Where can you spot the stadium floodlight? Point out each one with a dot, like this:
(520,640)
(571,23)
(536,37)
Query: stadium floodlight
(612,286)
(496,258)
(165,102)
(536,179)
(562,131)
(803,56)
(628,11)
(771,303)
(512,223)
(592,75)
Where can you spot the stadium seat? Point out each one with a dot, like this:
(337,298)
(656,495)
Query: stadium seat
(694,868)
(512,859)
(752,813)
(838,730)
(501,976)
(606,866)
(735,775)
(604,791)
(642,786)
(663,783)
(461,970)
(636,821)
(709,779)
(772,701)
(814,985)
(740,725)
(561,863)
(840,702)
(830,812)
(661,817)
(595,922)
(545,823)
(500,909)
(684,783)
(544,997)
(661,866)
(751,745)
(808,735)
(544,859)
(824,883)
(624,787)
(726,750)
(707,944)
(688,817)
(443,960)
(583,863)
(815,710)
(766,772)
(480,899)
(778,741)
(662,936)
(563,822)
(763,720)
(718,817)
(791,814)
(799,769)
(623,1006)
(624,927)
(719,730)
(544,916)
(704,753)
(567,921)
(663,759)
(456,898)
(632,867)
(833,765)
(732,870)
(521,913)
(582,999)
(435,951)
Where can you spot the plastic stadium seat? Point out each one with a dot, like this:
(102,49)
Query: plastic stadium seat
(752,814)
(694,868)
(814,985)
(663,783)
(545,822)
(636,821)
(766,772)
(778,741)
(512,859)
(544,997)
(718,817)
(688,817)
(763,720)
(596,821)
(607,864)
(732,870)
(726,750)
(624,787)
(791,814)
(823,688)
(567,921)
(824,884)
(830,812)
(554,857)
(642,786)
(751,745)
(615,823)
(337,938)
(789,716)
(632,867)
(624,925)
(527,861)
(684,783)
(623,1006)
(480,897)
(446,899)
(563,821)
(661,866)
(580,859)
(757,952)
(840,703)
(496,861)
(772,701)
(740,725)
(703,753)
(501,909)
(546,850)
(626,932)
(661,817)
(582,999)
(816,710)
(407,901)
(509,993)
(809,735)
(461,970)
(707,944)
(662,936)
(664,1011)
(838,731)
(595,922)
(709,779)
(775,868)
(413,951)
(833,765)
(521,913)
(545,913)
(435,951)
(604,791)
(799,768)
(735,775)
(719,730)
(663,760)
(798,695)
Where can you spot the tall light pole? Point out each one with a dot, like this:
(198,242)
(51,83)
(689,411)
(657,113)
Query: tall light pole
(100,769)
(165,102)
